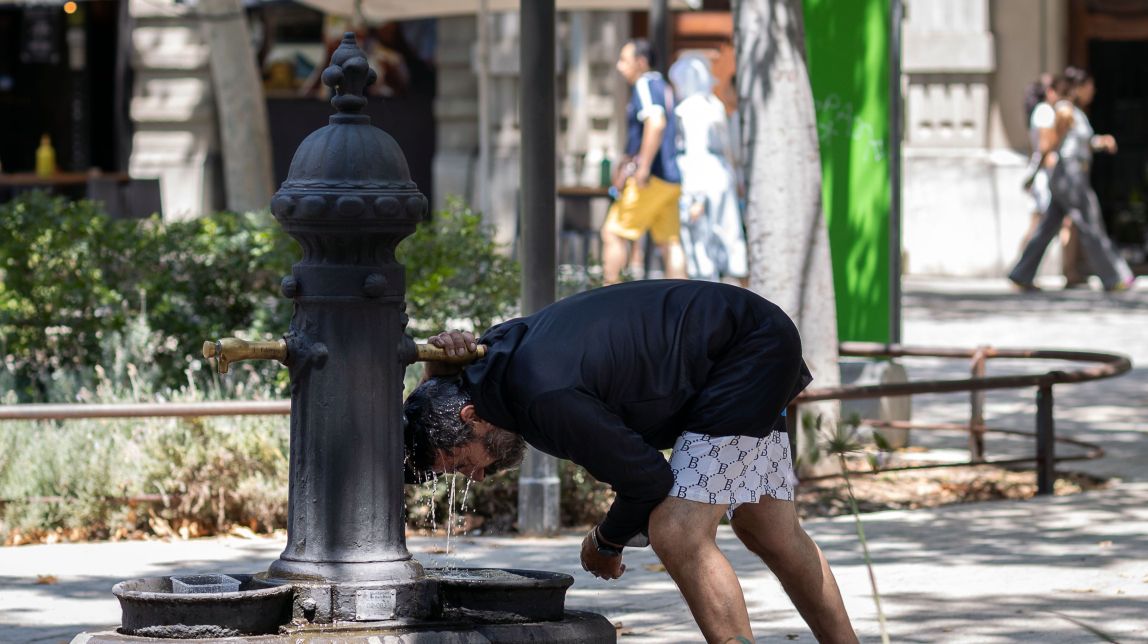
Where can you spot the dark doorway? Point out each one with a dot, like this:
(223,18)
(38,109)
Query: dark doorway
(1121,109)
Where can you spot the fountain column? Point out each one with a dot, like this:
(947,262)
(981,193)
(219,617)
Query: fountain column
(349,200)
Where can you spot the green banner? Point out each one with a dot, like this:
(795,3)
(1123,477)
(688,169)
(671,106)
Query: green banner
(847,43)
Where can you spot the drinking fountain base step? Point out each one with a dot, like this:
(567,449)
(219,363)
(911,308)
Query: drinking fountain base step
(576,627)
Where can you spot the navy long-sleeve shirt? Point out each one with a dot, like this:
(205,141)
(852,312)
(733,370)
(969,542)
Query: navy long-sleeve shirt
(609,377)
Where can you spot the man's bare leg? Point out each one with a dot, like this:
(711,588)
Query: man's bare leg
(675,259)
(637,261)
(613,257)
(771,530)
(683,534)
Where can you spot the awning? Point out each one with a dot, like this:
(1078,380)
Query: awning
(382,10)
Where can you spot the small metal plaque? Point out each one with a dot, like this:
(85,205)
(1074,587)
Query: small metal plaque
(374,604)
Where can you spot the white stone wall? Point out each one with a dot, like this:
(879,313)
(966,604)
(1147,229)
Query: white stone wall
(456,111)
(964,212)
(592,99)
(175,136)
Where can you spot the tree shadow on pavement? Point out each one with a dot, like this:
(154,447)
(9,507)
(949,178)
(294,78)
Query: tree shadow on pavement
(1050,531)
(1064,617)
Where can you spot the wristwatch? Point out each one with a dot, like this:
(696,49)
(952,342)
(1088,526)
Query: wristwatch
(604,549)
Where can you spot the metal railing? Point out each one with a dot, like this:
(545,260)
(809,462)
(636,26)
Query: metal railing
(145,410)
(1108,365)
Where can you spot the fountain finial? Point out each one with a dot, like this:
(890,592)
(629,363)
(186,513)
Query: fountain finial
(348,75)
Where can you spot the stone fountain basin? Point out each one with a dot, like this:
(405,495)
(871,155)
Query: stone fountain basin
(501,595)
(151,609)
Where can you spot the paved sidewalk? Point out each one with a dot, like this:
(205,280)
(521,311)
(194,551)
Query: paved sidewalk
(1046,570)
(970,313)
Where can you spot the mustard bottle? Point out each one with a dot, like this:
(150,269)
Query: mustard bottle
(45,158)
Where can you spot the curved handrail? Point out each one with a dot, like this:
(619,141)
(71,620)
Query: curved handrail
(1111,365)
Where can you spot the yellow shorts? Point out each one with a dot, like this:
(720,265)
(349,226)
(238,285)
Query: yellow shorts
(653,208)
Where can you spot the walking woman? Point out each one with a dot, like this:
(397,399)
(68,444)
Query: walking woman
(1068,162)
(1040,97)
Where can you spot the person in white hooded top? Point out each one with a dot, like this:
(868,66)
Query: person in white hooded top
(712,233)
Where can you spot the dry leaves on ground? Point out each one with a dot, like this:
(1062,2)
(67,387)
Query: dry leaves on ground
(928,488)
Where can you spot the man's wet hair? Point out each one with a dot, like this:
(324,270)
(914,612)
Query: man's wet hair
(643,49)
(433,422)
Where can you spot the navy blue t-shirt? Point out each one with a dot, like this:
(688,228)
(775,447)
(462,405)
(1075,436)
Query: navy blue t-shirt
(651,95)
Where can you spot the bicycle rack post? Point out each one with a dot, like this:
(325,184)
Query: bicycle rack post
(1045,445)
(977,409)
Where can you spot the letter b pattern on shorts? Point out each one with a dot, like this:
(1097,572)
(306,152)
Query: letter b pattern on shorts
(731,470)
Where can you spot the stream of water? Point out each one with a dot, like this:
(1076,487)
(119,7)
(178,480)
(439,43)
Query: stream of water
(455,518)
(450,512)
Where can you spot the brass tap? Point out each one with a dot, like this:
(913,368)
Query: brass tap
(431,353)
(228,350)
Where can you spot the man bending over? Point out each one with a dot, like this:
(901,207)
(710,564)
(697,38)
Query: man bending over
(609,377)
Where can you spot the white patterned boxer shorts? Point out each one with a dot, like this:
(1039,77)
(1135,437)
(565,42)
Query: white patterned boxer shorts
(731,470)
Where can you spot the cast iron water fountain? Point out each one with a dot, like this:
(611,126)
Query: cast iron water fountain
(346,572)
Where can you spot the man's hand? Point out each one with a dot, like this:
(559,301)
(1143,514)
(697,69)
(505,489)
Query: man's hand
(642,176)
(455,343)
(622,172)
(598,564)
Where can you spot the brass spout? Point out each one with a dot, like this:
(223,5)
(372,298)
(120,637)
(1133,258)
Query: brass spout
(228,350)
(431,353)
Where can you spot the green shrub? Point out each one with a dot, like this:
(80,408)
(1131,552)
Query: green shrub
(112,478)
(457,274)
(76,465)
(72,279)
(221,471)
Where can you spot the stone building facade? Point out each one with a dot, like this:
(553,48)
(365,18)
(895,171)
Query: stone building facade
(590,98)
(175,125)
(965,66)
(175,129)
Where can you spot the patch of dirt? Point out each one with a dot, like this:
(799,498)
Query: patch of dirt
(929,488)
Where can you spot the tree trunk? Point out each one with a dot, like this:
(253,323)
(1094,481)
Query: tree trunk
(785,226)
(239,105)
